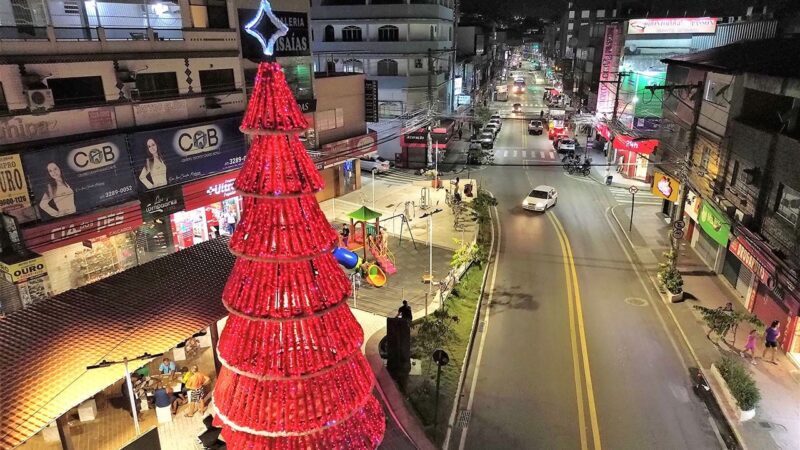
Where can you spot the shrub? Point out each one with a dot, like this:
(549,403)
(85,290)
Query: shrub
(740,382)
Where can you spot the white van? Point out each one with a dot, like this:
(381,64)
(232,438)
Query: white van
(374,164)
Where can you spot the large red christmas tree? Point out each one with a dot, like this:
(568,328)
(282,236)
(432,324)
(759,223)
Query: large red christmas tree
(293,374)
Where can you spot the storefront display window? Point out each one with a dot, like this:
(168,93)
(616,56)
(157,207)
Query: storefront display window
(154,240)
(83,263)
(204,223)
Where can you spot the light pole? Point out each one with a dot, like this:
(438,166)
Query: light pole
(131,394)
(429,215)
(373,188)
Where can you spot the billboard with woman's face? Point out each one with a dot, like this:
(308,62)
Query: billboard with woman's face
(80,177)
(176,155)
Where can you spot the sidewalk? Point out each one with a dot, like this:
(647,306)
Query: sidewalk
(777,421)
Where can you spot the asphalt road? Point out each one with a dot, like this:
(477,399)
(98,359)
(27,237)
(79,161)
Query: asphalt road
(575,353)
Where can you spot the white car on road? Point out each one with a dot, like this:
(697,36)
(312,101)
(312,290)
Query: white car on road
(497,122)
(566,145)
(494,127)
(374,164)
(541,198)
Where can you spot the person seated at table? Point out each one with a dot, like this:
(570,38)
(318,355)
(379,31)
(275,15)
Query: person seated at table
(165,396)
(196,385)
(167,367)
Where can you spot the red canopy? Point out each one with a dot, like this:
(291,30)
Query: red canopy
(602,130)
(645,146)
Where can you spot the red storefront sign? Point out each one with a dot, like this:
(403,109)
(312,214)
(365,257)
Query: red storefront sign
(440,136)
(354,147)
(602,130)
(628,143)
(107,222)
(742,250)
(209,190)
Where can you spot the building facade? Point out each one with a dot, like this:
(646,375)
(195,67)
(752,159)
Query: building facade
(406,46)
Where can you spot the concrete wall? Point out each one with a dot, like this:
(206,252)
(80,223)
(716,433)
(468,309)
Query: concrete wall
(346,92)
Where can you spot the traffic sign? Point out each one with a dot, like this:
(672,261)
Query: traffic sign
(677,233)
(633,190)
(441,357)
(679,225)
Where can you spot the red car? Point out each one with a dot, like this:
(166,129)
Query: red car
(555,132)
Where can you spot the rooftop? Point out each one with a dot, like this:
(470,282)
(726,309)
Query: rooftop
(766,57)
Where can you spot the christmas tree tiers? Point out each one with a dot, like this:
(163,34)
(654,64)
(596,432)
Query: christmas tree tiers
(293,374)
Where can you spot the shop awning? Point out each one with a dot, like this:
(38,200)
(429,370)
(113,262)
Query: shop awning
(643,146)
(45,348)
(364,214)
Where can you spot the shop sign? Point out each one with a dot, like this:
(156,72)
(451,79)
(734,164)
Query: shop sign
(665,186)
(463,99)
(673,25)
(161,202)
(186,153)
(602,130)
(647,123)
(209,190)
(371,100)
(294,43)
(350,148)
(307,105)
(714,224)
(739,248)
(157,112)
(79,178)
(628,143)
(609,66)
(693,203)
(108,222)
(55,123)
(24,270)
(439,137)
(13,187)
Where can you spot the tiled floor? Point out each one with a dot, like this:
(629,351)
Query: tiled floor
(113,428)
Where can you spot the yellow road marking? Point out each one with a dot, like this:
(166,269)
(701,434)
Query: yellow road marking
(574,341)
(581,329)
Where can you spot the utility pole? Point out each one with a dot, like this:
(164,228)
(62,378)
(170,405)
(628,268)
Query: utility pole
(683,174)
(620,76)
(430,79)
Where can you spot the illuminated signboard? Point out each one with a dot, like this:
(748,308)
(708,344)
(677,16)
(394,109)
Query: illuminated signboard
(673,25)
(609,65)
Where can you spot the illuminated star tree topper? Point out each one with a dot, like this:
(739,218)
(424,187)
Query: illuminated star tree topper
(259,25)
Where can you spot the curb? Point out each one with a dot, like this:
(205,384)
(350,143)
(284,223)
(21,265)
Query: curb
(732,422)
(468,354)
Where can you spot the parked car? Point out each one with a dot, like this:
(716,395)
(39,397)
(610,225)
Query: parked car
(493,127)
(374,164)
(535,127)
(486,138)
(497,122)
(540,198)
(566,145)
(495,116)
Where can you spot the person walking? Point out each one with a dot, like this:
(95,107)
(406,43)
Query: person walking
(345,234)
(771,340)
(404,312)
(460,134)
(196,385)
(750,347)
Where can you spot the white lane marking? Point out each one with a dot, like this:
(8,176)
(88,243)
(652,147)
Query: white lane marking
(485,330)
(524,153)
(515,153)
(551,155)
(541,154)
(505,153)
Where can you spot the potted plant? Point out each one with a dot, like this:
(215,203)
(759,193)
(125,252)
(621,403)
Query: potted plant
(740,386)
(670,278)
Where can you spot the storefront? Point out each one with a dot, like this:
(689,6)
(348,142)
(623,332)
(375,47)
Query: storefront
(710,239)
(88,248)
(24,281)
(212,209)
(633,156)
(340,167)
(773,293)
(414,146)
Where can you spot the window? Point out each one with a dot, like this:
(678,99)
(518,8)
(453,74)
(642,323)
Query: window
(209,14)
(353,66)
(705,157)
(601,13)
(329,120)
(388,33)
(787,203)
(77,91)
(418,63)
(330,35)
(3,103)
(715,92)
(220,80)
(585,14)
(351,34)
(572,14)
(387,67)
(735,173)
(299,79)
(570,26)
(157,85)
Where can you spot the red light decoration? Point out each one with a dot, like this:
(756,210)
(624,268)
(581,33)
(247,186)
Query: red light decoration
(293,374)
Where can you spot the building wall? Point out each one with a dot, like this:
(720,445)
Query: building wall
(346,93)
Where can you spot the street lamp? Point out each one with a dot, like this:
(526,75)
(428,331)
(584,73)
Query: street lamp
(124,361)
(429,215)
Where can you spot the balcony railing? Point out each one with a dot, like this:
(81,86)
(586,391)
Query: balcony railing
(23,33)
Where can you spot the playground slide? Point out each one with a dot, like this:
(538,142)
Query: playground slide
(375,276)
(383,261)
(346,258)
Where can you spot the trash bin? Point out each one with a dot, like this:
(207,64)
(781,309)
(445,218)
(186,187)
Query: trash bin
(609,179)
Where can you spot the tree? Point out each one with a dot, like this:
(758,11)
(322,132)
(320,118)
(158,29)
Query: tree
(668,273)
(481,116)
(720,321)
(464,254)
(293,376)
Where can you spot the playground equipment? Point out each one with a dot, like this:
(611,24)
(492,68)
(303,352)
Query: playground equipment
(359,229)
(379,248)
(424,199)
(347,259)
(375,276)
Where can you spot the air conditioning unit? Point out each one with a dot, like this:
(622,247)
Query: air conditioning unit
(40,99)
(130,92)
